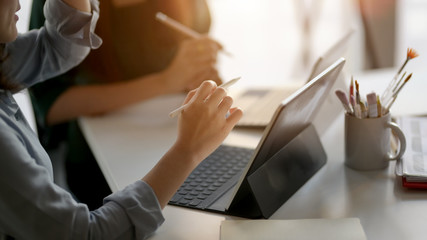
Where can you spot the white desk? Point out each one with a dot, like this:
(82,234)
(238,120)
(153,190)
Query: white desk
(127,145)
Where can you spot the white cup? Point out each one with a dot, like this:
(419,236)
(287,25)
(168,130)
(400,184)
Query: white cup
(367,142)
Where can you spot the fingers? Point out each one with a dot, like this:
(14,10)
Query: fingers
(235,115)
(199,52)
(218,96)
(196,60)
(205,90)
(207,43)
(206,38)
(215,77)
(216,99)
(189,96)
(210,72)
(205,50)
(225,104)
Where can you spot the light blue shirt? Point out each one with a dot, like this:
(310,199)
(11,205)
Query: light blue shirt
(31,205)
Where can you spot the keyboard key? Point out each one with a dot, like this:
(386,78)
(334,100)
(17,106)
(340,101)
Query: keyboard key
(176,198)
(207,192)
(195,202)
(188,197)
(183,202)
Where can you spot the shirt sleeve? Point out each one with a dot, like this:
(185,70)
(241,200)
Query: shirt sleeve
(64,41)
(71,24)
(33,207)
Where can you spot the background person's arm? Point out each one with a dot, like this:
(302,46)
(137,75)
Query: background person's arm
(187,70)
(89,100)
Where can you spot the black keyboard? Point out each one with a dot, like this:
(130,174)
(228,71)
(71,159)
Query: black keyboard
(213,177)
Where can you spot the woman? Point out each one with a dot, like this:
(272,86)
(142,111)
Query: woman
(140,59)
(31,205)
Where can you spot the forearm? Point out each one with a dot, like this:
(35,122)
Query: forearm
(169,174)
(99,99)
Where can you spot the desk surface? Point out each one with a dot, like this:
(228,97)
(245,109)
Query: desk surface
(127,144)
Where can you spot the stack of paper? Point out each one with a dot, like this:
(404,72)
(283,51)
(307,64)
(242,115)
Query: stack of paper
(413,165)
(302,229)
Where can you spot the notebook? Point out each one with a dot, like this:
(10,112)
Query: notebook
(253,183)
(298,229)
(412,167)
(259,104)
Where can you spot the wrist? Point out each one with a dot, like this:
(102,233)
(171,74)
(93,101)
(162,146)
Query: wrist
(172,80)
(185,155)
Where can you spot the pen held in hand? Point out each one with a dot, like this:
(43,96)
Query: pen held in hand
(163,18)
(225,85)
(172,23)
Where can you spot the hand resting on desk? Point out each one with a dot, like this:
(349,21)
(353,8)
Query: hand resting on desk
(202,127)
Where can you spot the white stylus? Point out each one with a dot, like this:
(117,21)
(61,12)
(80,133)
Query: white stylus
(225,85)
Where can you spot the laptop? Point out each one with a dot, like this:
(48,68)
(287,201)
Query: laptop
(254,183)
(259,104)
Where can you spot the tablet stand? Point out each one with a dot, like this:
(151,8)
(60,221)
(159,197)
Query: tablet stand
(281,176)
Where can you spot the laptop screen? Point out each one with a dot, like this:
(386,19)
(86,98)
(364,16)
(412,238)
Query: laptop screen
(334,52)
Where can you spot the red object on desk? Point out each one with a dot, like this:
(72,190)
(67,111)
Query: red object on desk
(420,185)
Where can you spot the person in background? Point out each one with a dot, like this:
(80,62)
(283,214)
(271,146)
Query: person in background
(31,205)
(140,59)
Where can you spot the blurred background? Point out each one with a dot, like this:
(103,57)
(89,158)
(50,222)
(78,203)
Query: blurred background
(274,41)
(277,40)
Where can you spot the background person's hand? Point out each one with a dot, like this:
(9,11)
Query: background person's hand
(194,62)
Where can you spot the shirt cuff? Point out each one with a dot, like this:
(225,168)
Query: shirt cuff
(72,24)
(141,206)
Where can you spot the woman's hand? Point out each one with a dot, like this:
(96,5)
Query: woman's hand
(202,126)
(206,121)
(194,62)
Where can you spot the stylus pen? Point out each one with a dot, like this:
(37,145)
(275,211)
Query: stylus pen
(172,23)
(225,85)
